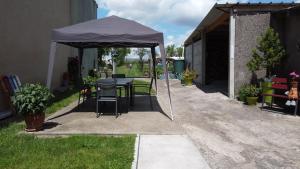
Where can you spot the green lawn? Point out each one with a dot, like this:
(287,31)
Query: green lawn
(134,71)
(140,89)
(20,151)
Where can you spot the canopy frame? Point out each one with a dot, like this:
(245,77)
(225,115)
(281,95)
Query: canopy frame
(136,35)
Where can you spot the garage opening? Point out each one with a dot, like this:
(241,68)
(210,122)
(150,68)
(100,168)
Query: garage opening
(217,58)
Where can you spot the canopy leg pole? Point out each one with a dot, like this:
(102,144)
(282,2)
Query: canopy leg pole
(163,57)
(154,67)
(51,63)
(80,55)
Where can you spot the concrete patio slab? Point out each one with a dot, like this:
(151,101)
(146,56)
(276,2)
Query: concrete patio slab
(141,119)
(169,152)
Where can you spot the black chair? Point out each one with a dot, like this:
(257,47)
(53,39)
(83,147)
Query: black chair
(119,76)
(107,92)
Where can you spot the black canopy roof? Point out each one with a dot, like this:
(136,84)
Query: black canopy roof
(111,31)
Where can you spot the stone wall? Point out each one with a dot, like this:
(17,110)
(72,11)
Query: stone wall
(249,27)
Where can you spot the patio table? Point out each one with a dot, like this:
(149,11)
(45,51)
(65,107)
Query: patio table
(127,83)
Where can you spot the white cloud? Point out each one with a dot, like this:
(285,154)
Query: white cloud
(182,12)
(179,39)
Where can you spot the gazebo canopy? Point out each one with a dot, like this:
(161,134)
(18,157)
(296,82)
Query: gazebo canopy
(111,31)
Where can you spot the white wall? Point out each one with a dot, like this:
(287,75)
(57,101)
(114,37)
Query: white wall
(25,36)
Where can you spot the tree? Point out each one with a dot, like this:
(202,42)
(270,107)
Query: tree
(141,52)
(170,50)
(179,51)
(268,53)
(101,53)
(120,54)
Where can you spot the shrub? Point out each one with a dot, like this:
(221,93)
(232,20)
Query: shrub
(90,80)
(32,99)
(242,93)
(249,91)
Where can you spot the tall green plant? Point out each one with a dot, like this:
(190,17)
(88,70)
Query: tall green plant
(101,53)
(179,51)
(171,50)
(268,53)
(120,54)
(141,52)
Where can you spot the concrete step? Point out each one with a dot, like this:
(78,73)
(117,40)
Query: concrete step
(168,152)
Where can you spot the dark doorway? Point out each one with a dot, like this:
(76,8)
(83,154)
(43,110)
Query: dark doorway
(217,58)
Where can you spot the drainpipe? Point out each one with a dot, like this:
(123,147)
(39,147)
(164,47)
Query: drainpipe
(231,80)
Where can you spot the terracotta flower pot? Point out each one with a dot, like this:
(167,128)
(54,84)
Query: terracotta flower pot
(34,122)
(252,100)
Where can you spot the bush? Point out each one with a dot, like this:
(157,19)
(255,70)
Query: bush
(242,93)
(32,99)
(159,70)
(90,80)
(249,91)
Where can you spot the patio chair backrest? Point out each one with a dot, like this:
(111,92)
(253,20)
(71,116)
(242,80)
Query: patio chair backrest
(280,83)
(118,76)
(107,89)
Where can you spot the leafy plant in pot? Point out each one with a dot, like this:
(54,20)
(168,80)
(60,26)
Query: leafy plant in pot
(31,101)
(251,92)
(189,76)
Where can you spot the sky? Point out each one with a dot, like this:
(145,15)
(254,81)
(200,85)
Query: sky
(175,18)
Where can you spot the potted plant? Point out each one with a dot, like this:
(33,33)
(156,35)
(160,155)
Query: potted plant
(189,76)
(242,93)
(267,55)
(266,86)
(31,101)
(251,92)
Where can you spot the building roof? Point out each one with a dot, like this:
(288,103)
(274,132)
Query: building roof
(220,9)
